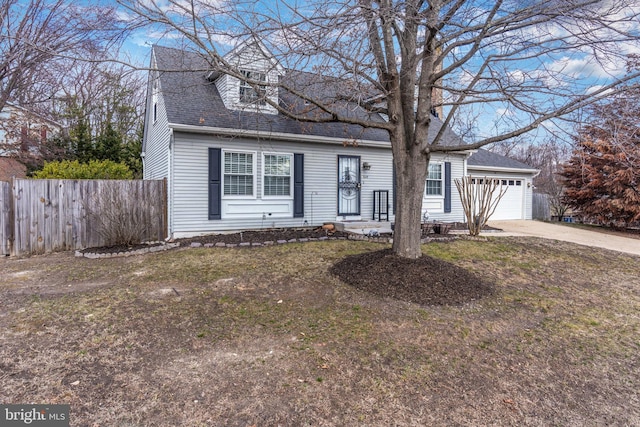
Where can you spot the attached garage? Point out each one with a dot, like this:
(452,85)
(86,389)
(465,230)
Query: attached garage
(513,175)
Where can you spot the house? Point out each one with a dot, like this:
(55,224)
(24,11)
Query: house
(11,168)
(234,163)
(22,133)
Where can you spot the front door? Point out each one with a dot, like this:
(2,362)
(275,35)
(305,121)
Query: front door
(348,185)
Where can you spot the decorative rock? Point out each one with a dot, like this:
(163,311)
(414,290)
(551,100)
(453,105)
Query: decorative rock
(245,244)
(208,245)
(231,245)
(292,240)
(282,241)
(220,244)
(256,244)
(196,244)
(268,243)
(303,240)
(159,246)
(323,238)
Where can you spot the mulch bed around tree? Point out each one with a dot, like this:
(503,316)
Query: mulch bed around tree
(425,281)
(114,249)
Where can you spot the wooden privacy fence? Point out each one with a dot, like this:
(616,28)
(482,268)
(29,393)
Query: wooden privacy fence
(48,215)
(541,209)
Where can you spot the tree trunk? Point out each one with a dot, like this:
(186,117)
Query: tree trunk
(411,175)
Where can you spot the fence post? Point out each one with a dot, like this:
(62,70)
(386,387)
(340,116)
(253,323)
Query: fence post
(11,218)
(6,218)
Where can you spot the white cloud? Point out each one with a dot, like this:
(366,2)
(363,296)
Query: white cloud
(595,88)
(589,66)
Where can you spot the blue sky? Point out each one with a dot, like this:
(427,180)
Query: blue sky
(578,71)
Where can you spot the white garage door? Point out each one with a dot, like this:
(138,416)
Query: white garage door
(511,205)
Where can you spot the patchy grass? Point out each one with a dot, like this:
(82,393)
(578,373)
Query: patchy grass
(267,336)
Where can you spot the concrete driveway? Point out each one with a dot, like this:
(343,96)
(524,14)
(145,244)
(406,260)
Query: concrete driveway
(566,234)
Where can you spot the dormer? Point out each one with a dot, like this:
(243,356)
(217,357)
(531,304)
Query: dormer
(255,63)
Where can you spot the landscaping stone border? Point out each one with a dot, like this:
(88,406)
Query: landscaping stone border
(267,243)
(87,253)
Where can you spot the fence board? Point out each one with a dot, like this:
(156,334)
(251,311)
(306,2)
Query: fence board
(541,209)
(57,215)
(6,220)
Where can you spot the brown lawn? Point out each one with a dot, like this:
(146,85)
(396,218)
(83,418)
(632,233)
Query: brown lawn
(270,336)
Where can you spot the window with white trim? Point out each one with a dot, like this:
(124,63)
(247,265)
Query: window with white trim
(434,185)
(238,174)
(253,94)
(277,172)
(154,98)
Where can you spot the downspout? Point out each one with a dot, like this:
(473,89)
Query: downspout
(170,176)
(144,165)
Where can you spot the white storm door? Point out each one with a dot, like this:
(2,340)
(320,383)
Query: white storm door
(348,185)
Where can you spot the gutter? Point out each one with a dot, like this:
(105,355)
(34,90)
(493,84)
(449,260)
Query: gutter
(281,136)
(502,169)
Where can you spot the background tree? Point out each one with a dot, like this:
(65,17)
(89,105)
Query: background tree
(103,108)
(547,157)
(46,46)
(37,35)
(406,59)
(602,177)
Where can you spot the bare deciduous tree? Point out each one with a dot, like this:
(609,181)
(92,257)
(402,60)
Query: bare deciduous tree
(479,200)
(36,34)
(547,157)
(526,62)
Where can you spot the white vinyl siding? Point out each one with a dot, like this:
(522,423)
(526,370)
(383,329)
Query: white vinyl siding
(190,216)
(239,173)
(157,134)
(277,175)
(434,204)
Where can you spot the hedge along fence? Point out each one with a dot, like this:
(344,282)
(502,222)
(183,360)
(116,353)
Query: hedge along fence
(51,215)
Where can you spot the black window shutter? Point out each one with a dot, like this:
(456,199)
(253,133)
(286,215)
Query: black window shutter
(215,184)
(447,187)
(298,185)
(395,197)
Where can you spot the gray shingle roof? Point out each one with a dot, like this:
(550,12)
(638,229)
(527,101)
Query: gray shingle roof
(488,159)
(191,99)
